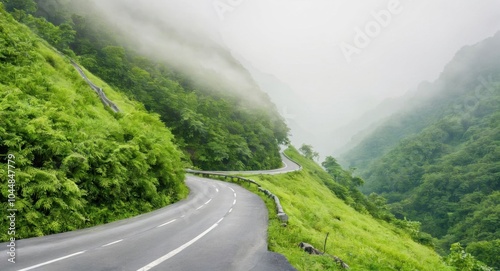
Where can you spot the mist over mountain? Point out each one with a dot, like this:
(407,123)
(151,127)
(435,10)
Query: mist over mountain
(383,115)
(158,31)
(438,161)
(289,104)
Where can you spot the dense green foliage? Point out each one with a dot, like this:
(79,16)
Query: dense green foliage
(215,129)
(464,261)
(447,174)
(77,163)
(363,242)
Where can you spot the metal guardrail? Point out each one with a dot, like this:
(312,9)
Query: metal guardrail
(279,209)
(98,90)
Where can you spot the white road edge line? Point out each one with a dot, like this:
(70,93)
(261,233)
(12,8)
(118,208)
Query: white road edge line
(177,250)
(286,165)
(164,224)
(52,261)
(208,201)
(112,243)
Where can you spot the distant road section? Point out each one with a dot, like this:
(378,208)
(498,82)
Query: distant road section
(288,166)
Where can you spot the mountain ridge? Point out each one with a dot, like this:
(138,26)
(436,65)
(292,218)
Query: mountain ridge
(438,162)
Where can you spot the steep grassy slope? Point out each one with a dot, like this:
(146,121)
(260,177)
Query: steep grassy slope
(361,241)
(77,163)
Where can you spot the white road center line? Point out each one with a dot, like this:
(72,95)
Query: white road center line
(208,201)
(112,243)
(234,201)
(200,207)
(234,195)
(177,250)
(217,190)
(232,190)
(52,261)
(230,210)
(164,224)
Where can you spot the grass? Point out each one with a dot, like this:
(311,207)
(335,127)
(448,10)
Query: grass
(363,242)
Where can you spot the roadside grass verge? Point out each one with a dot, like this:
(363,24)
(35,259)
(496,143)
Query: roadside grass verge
(363,242)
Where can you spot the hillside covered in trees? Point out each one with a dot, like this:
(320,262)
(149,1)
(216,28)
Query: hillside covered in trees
(75,162)
(438,162)
(216,125)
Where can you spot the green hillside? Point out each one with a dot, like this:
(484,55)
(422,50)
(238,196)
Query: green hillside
(77,163)
(215,127)
(439,163)
(360,240)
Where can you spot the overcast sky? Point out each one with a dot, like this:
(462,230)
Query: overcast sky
(300,42)
(341,57)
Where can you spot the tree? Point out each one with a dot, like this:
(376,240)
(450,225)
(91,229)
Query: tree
(486,251)
(464,261)
(308,152)
(29,6)
(67,35)
(331,166)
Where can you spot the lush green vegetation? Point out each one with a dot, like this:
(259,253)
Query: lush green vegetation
(77,163)
(463,260)
(363,242)
(215,129)
(446,173)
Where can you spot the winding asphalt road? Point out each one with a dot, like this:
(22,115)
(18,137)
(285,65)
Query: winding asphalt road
(288,166)
(219,227)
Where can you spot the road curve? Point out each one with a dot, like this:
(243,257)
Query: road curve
(288,166)
(220,226)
